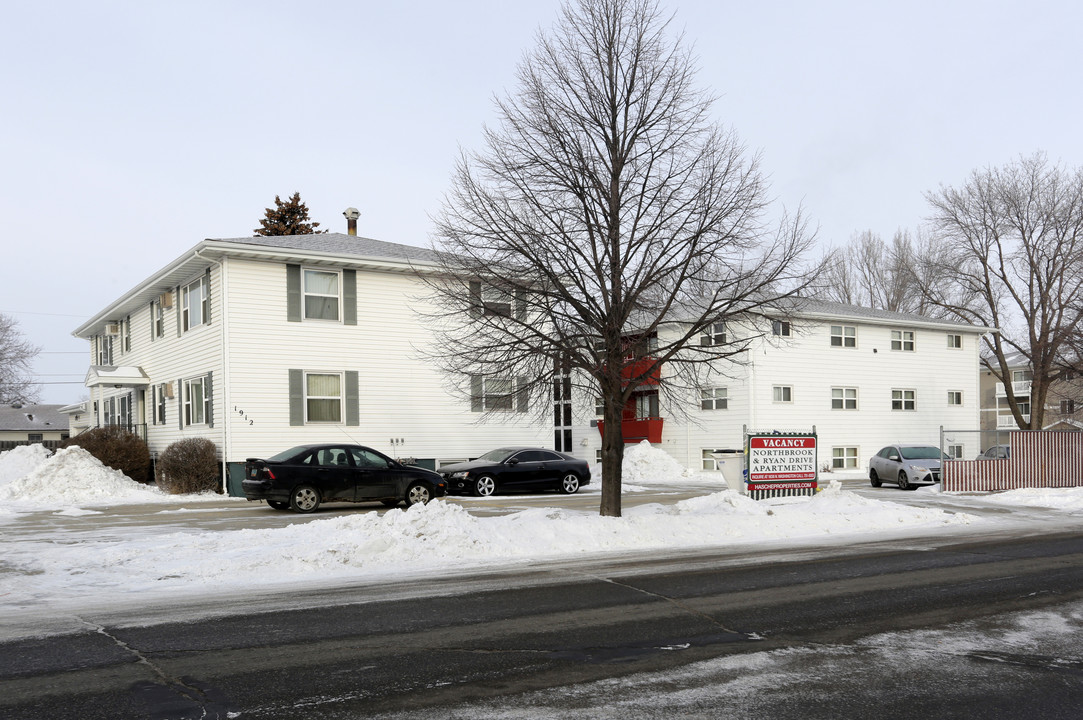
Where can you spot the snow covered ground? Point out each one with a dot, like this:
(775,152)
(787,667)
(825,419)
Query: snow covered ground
(85,559)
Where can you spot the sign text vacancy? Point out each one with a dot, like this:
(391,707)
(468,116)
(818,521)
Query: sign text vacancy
(784,461)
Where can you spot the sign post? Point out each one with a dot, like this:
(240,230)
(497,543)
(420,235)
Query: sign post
(781,464)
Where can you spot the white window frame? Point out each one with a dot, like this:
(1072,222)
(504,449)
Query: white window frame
(716,334)
(497,301)
(306,293)
(955,341)
(781,328)
(845,457)
(714,398)
(900,397)
(157,319)
(779,394)
(709,461)
(845,397)
(841,338)
(190,407)
(955,397)
(903,340)
(955,451)
(339,398)
(187,306)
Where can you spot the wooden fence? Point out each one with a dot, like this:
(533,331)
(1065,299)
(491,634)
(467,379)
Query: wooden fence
(1038,459)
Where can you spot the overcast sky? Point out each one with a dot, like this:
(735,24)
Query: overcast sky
(130,131)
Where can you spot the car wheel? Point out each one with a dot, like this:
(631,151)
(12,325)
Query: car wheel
(904,484)
(484,486)
(391,503)
(304,499)
(569,484)
(418,493)
(278,504)
(874,479)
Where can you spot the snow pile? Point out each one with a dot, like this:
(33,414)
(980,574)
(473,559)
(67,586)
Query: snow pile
(647,465)
(18,461)
(1070,499)
(441,537)
(73,476)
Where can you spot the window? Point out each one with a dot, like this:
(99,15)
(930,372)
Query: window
(709,462)
(902,340)
(902,400)
(158,399)
(35,437)
(599,407)
(321,292)
(844,458)
(1067,407)
(782,393)
(955,397)
(105,350)
(955,341)
(955,452)
(157,325)
(495,301)
(323,397)
(714,398)
(497,394)
(781,328)
(194,299)
(843,336)
(844,398)
(715,335)
(196,402)
(127,325)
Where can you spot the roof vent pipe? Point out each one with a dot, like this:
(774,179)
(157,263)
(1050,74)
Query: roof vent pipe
(351,220)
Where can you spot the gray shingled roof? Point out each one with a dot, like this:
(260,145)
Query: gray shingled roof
(339,244)
(32,418)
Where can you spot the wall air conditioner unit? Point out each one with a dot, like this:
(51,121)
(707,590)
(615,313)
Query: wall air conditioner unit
(166,299)
(167,390)
(112,328)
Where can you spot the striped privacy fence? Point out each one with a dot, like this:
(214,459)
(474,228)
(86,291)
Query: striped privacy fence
(1038,459)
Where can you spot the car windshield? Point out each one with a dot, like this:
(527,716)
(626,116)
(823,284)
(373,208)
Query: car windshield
(287,454)
(920,452)
(497,456)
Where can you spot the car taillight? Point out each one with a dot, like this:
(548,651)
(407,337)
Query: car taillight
(270,475)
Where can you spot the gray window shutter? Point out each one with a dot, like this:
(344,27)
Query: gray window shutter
(208,395)
(207,294)
(475,298)
(353,399)
(297,397)
(180,403)
(293,293)
(521,395)
(180,314)
(520,305)
(475,393)
(349,297)
(152,321)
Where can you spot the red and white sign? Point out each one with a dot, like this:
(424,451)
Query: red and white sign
(784,461)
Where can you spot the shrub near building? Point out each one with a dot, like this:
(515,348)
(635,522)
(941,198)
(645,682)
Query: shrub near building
(117,448)
(189,466)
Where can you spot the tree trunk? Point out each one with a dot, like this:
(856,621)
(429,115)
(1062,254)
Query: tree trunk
(612,457)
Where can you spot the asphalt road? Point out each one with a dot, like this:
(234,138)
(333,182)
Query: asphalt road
(491,645)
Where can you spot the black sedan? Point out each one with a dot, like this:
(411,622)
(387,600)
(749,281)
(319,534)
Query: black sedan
(302,477)
(517,468)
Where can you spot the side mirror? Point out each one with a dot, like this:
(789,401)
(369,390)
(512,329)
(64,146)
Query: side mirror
(893,457)
(513,461)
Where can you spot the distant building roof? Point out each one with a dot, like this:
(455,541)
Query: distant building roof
(32,418)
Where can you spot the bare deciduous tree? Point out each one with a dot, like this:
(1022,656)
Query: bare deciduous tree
(606,206)
(16,356)
(871,273)
(1010,255)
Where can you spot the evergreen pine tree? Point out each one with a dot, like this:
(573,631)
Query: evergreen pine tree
(288,218)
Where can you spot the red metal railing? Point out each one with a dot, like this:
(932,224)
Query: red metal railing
(639,429)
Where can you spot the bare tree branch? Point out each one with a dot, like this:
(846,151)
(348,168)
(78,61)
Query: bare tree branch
(16,358)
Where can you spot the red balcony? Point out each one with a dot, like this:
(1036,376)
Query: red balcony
(639,367)
(638,429)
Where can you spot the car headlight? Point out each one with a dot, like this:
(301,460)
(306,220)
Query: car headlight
(459,475)
(919,468)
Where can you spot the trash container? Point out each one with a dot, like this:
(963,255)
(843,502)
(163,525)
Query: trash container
(732,465)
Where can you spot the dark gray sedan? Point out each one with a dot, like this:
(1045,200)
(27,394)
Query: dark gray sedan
(906,465)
